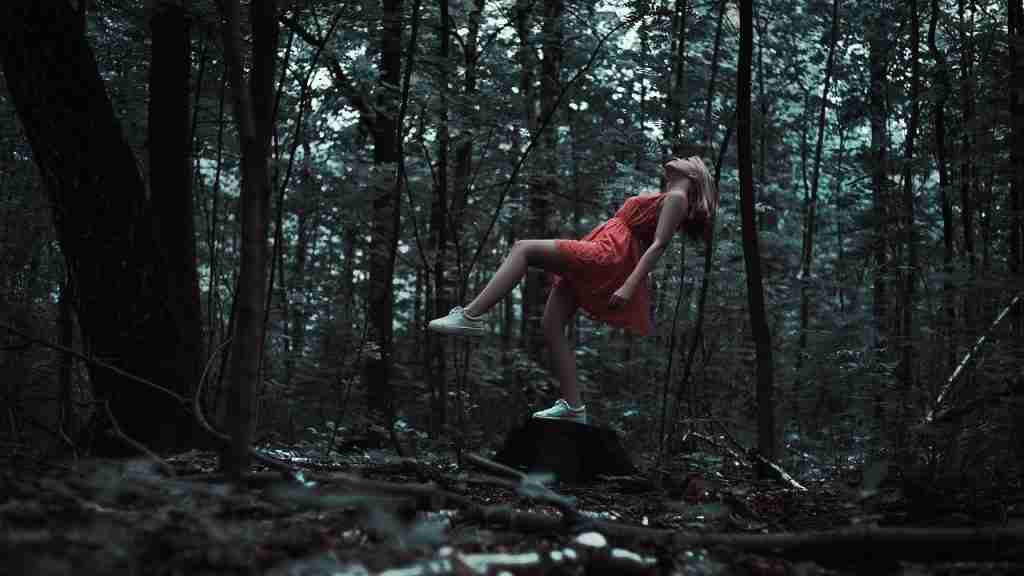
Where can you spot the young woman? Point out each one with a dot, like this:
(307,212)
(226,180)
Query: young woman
(605,272)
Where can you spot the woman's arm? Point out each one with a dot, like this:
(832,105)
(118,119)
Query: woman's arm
(673,209)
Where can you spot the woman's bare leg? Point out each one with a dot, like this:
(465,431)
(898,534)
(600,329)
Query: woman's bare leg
(525,253)
(560,309)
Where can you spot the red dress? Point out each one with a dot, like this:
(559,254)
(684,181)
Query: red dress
(601,261)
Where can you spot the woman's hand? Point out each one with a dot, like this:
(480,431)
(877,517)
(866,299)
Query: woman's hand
(620,297)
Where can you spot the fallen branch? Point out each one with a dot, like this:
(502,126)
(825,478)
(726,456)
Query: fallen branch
(494,467)
(930,415)
(732,453)
(783,475)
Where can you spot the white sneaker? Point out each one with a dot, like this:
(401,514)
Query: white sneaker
(562,411)
(458,324)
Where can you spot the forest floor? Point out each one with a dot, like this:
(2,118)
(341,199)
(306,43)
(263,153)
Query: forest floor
(369,512)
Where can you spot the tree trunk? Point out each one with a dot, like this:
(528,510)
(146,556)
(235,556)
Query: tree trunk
(1015,13)
(170,165)
(939,119)
(716,51)
(966,135)
(877,47)
(385,218)
(464,149)
(910,239)
(544,187)
(252,104)
(103,220)
(525,56)
(298,311)
(439,219)
(66,324)
(676,97)
(751,252)
(768,220)
(811,205)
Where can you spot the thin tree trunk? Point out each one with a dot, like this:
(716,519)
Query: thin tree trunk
(751,252)
(297,309)
(1015,16)
(910,239)
(877,47)
(715,53)
(939,120)
(526,93)
(385,218)
(252,106)
(213,307)
(837,193)
(810,209)
(543,189)
(768,220)
(67,339)
(966,135)
(439,218)
(676,96)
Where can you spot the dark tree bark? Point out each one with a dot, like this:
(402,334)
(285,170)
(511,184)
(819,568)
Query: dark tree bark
(529,103)
(811,206)
(942,89)
(170,177)
(1015,14)
(252,104)
(66,324)
(385,217)
(464,147)
(676,97)
(297,308)
(877,48)
(716,51)
(769,220)
(751,252)
(966,135)
(543,189)
(909,233)
(103,221)
(439,218)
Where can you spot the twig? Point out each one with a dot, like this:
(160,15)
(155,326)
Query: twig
(135,443)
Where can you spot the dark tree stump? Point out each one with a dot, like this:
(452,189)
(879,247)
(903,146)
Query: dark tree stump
(572,452)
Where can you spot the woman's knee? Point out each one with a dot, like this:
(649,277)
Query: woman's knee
(535,252)
(557,313)
(525,248)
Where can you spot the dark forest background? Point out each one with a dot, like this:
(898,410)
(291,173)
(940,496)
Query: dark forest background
(274,198)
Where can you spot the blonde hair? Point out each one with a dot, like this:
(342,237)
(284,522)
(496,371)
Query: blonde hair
(702,197)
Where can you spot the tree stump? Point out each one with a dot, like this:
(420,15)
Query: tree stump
(573,452)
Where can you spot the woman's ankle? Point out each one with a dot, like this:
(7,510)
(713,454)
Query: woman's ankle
(466,312)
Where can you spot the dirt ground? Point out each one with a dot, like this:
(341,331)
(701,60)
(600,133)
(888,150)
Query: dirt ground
(369,512)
